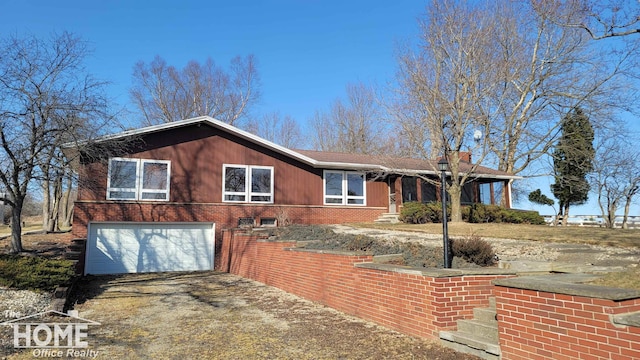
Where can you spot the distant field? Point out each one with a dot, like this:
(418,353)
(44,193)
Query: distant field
(29,226)
(568,234)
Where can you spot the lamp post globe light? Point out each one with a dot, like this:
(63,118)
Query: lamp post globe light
(443,166)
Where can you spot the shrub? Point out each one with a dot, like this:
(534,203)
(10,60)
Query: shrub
(481,213)
(465,210)
(473,249)
(422,213)
(494,213)
(435,211)
(413,213)
(34,273)
(477,213)
(529,217)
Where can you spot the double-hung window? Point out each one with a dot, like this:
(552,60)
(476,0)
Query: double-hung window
(344,188)
(138,179)
(244,183)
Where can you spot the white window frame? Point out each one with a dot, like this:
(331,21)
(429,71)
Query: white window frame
(138,190)
(344,197)
(226,193)
(248,193)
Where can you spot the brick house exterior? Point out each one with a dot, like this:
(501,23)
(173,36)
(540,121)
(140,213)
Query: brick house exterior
(201,170)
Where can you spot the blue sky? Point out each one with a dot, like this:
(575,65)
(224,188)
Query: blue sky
(307,50)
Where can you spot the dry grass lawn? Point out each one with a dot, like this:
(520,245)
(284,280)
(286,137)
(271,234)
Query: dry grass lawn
(29,227)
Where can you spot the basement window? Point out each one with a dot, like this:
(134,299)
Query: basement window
(246,222)
(268,222)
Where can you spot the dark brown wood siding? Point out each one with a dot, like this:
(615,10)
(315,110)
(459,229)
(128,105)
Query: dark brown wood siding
(197,155)
(377,193)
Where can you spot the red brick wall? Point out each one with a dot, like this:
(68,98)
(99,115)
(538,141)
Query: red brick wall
(411,303)
(542,325)
(225,216)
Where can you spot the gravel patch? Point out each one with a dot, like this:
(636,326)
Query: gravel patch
(15,304)
(18,303)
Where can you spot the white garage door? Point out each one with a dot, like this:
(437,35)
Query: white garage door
(116,248)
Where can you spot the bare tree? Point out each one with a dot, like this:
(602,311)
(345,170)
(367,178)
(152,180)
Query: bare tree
(44,92)
(631,191)
(69,196)
(507,69)
(546,70)
(281,130)
(354,126)
(608,165)
(601,19)
(445,83)
(616,181)
(163,93)
(616,175)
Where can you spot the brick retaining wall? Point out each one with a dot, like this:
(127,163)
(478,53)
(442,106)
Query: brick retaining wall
(414,302)
(537,324)
(533,324)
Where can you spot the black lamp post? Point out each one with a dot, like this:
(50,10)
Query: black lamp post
(443,165)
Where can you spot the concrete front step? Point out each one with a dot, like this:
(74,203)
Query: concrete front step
(485,314)
(477,336)
(469,345)
(480,329)
(388,218)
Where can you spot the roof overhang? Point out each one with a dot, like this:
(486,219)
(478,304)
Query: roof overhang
(437,173)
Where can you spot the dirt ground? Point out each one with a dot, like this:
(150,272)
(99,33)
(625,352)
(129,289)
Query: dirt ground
(212,315)
(52,245)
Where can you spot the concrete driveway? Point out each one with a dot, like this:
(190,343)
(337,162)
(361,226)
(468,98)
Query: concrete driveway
(212,315)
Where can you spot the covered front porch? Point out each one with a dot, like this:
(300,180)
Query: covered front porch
(488,191)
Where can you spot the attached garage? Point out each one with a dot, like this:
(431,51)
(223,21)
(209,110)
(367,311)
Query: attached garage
(125,247)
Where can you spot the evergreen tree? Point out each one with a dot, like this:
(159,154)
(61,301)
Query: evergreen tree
(572,161)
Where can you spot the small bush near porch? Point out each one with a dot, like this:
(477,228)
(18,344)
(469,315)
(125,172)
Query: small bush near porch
(431,212)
